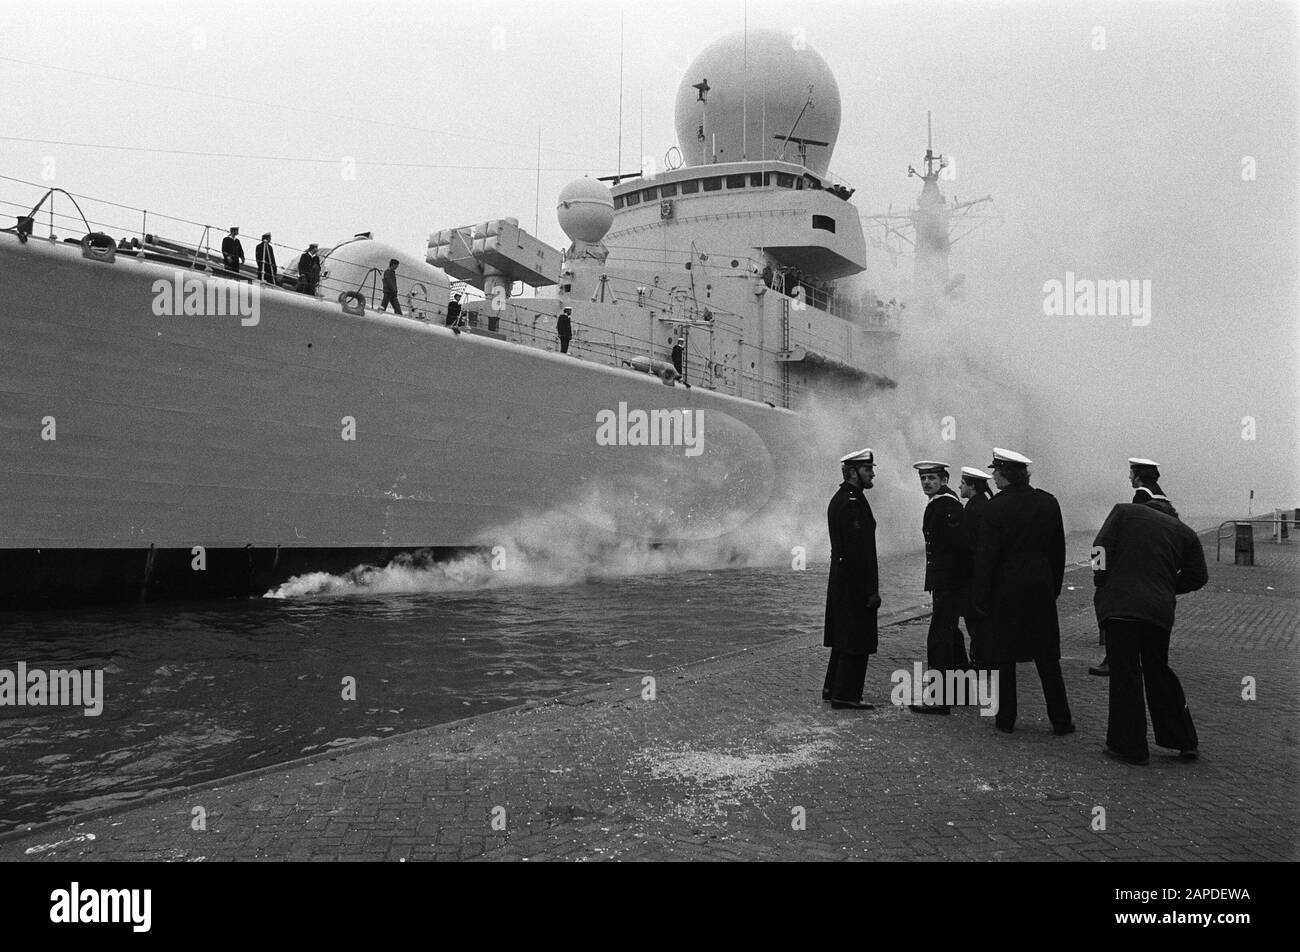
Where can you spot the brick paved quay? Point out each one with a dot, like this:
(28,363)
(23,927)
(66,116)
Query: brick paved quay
(732,751)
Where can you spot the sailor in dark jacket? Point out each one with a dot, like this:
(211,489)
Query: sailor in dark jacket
(853,591)
(564,328)
(232,252)
(390,288)
(1144,558)
(945,649)
(975,490)
(309,270)
(1144,477)
(1019,568)
(265,255)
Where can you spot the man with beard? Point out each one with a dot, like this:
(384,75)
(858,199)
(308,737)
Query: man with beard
(1144,559)
(975,490)
(853,590)
(945,650)
(1144,477)
(1019,568)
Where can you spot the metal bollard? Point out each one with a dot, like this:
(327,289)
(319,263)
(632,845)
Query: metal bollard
(1245,550)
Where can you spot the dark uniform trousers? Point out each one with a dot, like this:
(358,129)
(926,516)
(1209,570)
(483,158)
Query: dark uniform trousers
(845,675)
(1139,653)
(945,648)
(1049,673)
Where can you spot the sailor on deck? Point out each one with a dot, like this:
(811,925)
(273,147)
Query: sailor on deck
(853,590)
(309,270)
(232,252)
(564,328)
(390,288)
(265,255)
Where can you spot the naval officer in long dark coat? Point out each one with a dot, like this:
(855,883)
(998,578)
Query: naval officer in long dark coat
(853,592)
(941,526)
(1019,568)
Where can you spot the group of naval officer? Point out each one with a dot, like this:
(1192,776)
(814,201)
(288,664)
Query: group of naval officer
(998,563)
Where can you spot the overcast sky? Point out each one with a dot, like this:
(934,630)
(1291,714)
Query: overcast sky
(1123,162)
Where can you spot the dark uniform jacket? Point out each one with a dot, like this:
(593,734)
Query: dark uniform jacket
(564,326)
(855,574)
(453,312)
(232,252)
(308,270)
(1019,568)
(1150,558)
(265,255)
(972,517)
(390,282)
(941,526)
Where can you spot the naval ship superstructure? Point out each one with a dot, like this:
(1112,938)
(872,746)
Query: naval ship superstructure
(157,446)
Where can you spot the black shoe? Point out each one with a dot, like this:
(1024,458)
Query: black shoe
(1190,753)
(826,695)
(852,706)
(929,709)
(1100,670)
(1006,728)
(1064,729)
(1135,761)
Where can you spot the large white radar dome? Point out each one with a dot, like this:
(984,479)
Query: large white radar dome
(756,88)
(585,210)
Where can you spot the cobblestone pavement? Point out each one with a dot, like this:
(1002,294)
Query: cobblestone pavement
(734,755)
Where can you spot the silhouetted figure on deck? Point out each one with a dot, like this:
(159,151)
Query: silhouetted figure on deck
(265,255)
(390,288)
(564,327)
(309,270)
(232,252)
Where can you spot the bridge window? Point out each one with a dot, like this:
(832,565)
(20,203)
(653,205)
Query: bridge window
(712,184)
(668,191)
(690,186)
(650,194)
(824,222)
(634,198)
(618,201)
(756,179)
(735,181)
(812,182)
(784,180)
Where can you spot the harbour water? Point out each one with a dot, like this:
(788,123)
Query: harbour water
(195,692)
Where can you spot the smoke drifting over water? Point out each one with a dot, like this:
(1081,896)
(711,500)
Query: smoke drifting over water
(939,410)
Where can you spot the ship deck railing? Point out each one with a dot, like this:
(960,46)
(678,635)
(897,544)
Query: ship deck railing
(190,245)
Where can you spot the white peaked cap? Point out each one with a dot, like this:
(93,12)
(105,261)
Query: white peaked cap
(1134,461)
(859,456)
(974,473)
(1010,456)
(929,466)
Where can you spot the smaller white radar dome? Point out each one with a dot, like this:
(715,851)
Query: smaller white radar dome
(585,210)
